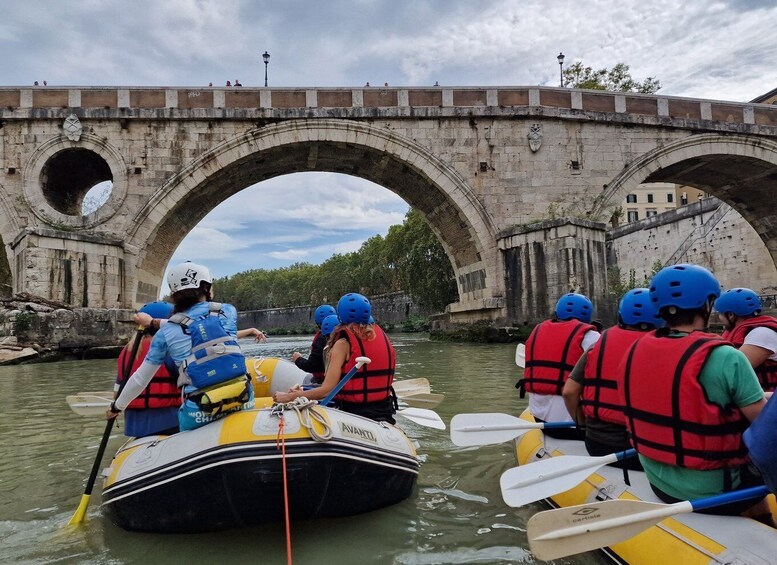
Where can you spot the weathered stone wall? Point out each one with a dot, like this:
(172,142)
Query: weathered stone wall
(704,233)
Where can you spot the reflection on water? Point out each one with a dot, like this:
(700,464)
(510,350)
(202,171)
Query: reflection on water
(455,516)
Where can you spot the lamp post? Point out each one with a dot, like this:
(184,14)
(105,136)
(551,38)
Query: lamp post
(266,57)
(560,68)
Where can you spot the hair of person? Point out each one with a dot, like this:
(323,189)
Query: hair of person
(678,317)
(362,331)
(188,297)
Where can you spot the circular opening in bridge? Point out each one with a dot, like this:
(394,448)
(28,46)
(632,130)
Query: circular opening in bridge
(76,182)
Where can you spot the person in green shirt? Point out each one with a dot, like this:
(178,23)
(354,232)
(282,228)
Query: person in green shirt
(689,396)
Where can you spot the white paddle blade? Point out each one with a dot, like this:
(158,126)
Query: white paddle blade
(520,355)
(488,428)
(558,533)
(90,403)
(422,417)
(422,400)
(542,479)
(412,386)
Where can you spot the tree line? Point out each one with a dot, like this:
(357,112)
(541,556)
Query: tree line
(410,258)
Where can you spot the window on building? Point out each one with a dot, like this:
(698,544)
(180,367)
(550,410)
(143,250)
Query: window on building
(632,216)
(650,213)
(650,198)
(670,197)
(631,199)
(684,199)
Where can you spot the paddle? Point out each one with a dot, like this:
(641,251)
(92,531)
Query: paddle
(338,387)
(90,403)
(541,479)
(412,386)
(428,418)
(558,533)
(421,400)
(80,512)
(520,355)
(490,427)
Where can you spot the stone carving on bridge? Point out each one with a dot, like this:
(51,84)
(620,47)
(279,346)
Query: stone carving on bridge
(72,127)
(535,137)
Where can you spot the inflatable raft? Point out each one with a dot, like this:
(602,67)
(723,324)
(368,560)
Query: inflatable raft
(687,538)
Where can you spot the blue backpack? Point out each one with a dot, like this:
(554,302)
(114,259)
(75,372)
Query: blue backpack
(759,438)
(215,357)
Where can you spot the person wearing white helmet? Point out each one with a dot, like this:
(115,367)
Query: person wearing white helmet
(200,337)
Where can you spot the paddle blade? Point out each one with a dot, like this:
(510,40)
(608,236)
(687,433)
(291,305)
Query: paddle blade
(80,512)
(520,355)
(422,417)
(558,533)
(407,387)
(542,479)
(422,400)
(487,428)
(90,403)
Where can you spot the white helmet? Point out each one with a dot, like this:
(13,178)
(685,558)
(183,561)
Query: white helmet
(187,275)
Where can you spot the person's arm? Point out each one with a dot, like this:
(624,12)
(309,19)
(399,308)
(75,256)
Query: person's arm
(135,385)
(252,332)
(751,411)
(755,354)
(337,359)
(573,390)
(315,361)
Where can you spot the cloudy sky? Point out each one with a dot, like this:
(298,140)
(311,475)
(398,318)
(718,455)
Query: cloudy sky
(700,48)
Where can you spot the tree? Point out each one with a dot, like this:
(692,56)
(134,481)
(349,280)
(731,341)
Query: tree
(617,79)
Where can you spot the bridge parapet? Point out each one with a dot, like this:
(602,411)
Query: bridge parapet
(250,103)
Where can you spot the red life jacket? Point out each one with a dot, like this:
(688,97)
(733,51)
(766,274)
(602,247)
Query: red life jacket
(766,371)
(667,413)
(371,383)
(161,392)
(552,350)
(601,400)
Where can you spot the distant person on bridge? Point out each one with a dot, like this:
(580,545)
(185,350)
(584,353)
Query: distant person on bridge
(592,386)
(368,393)
(754,334)
(314,363)
(689,396)
(155,410)
(552,350)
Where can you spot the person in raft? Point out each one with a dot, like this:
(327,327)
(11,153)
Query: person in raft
(552,350)
(754,334)
(314,363)
(592,387)
(688,397)
(369,391)
(200,337)
(155,410)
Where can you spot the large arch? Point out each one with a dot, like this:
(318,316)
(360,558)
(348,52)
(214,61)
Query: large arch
(740,170)
(452,209)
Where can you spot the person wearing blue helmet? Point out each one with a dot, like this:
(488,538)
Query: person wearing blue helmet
(591,392)
(368,393)
(155,410)
(314,363)
(552,350)
(754,334)
(689,395)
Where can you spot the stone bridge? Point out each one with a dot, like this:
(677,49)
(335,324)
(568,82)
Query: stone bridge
(483,165)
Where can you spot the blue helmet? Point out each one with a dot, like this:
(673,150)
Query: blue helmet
(636,308)
(740,301)
(683,286)
(574,306)
(329,324)
(158,309)
(354,308)
(322,312)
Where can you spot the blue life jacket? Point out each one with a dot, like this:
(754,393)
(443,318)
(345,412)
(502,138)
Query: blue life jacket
(215,356)
(759,439)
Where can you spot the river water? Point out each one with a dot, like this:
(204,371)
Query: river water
(456,514)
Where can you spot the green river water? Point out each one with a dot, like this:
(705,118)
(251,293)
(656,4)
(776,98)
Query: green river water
(456,514)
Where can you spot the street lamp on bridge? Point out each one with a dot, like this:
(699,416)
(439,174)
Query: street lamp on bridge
(560,68)
(266,57)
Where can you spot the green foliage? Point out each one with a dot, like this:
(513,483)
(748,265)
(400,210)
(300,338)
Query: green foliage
(617,79)
(409,258)
(22,322)
(618,285)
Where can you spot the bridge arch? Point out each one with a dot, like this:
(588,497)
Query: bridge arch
(436,189)
(740,170)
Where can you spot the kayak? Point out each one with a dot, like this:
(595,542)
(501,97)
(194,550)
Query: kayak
(229,473)
(690,538)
